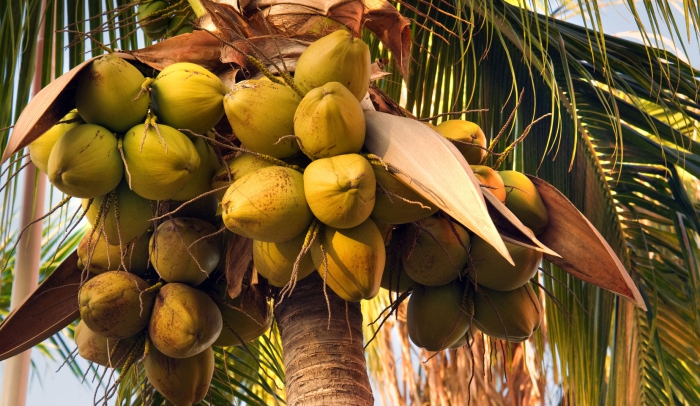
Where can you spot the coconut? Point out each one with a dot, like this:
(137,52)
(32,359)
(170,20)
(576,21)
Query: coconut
(182,381)
(337,57)
(160,162)
(85,162)
(179,24)
(113,306)
(355,258)
(523,199)
(267,205)
(513,315)
(467,137)
(182,252)
(102,351)
(329,121)
(275,261)
(245,318)
(490,269)
(490,181)
(152,18)
(438,316)
(394,277)
(340,190)
(40,149)
(439,254)
(134,214)
(187,96)
(396,203)
(200,182)
(235,169)
(203,208)
(260,113)
(102,257)
(108,93)
(185,321)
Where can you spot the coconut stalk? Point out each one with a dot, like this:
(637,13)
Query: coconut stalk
(323,355)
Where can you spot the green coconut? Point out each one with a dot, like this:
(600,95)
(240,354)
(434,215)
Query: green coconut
(329,121)
(113,306)
(85,162)
(184,322)
(152,18)
(439,316)
(102,257)
(340,190)
(467,137)
(337,57)
(439,254)
(134,214)
(187,96)
(102,351)
(245,318)
(235,169)
(260,113)
(275,261)
(523,199)
(181,251)
(267,205)
(159,162)
(394,277)
(182,381)
(490,269)
(355,258)
(396,203)
(179,24)
(40,149)
(108,93)
(513,315)
(200,182)
(491,181)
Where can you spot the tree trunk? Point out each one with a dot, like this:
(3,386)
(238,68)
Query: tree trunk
(325,363)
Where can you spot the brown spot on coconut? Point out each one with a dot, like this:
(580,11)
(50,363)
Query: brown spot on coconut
(102,257)
(40,149)
(523,199)
(467,137)
(275,261)
(396,203)
(491,270)
(183,381)
(102,351)
(513,315)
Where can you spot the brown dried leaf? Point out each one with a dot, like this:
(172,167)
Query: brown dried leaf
(584,252)
(239,259)
(198,47)
(393,29)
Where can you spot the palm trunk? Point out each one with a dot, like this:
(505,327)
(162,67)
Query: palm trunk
(324,359)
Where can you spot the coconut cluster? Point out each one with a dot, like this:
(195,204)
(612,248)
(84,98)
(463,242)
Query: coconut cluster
(159,19)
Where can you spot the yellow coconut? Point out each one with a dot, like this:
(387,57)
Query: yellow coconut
(102,257)
(490,269)
(329,121)
(184,322)
(200,182)
(85,162)
(260,113)
(491,181)
(467,137)
(337,57)
(513,315)
(275,261)
(235,169)
(340,190)
(40,149)
(396,203)
(355,259)
(182,381)
(267,205)
(524,201)
(102,351)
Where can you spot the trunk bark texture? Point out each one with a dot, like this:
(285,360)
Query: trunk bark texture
(325,363)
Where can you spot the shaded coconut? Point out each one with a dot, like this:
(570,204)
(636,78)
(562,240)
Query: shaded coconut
(275,261)
(183,381)
(160,162)
(179,24)
(340,190)
(260,113)
(329,121)
(491,181)
(102,351)
(523,199)
(394,277)
(235,169)
(355,258)
(439,254)
(490,269)
(85,162)
(200,182)
(152,18)
(113,306)
(40,149)
(187,96)
(396,203)
(267,205)
(512,315)
(181,251)
(102,257)
(108,93)
(467,137)
(134,214)
(438,316)
(337,57)
(184,322)
(245,317)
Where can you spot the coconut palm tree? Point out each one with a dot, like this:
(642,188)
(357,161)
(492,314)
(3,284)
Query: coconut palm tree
(612,124)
